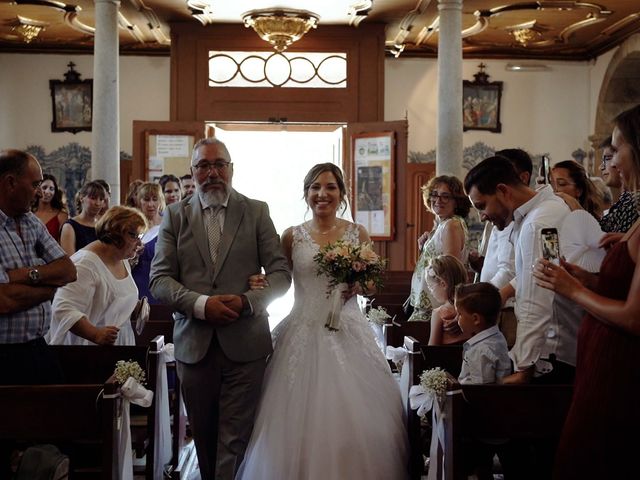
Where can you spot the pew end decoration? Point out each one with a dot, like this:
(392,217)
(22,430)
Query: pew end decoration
(431,390)
(347,264)
(125,369)
(379,316)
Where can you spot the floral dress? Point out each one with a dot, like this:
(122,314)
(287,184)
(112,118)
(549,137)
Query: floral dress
(420,297)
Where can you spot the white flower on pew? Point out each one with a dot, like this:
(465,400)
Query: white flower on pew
(432,388)
(378,316)
(125,369)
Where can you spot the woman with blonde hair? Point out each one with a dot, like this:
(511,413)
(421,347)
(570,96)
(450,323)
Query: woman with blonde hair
(150,202)
(96,309)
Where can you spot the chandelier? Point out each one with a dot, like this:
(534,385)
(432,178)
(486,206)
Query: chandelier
(280,27)
(28,28)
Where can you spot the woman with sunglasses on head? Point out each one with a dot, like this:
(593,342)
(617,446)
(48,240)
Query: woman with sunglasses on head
(50,206)
(150,201)
(444,197)
(96,309)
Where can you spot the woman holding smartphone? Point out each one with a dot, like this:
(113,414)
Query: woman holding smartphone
(604,414)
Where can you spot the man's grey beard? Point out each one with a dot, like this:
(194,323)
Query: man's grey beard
(212,198)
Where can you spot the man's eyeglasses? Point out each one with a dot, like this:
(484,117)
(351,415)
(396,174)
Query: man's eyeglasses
(206,167)
(445,197)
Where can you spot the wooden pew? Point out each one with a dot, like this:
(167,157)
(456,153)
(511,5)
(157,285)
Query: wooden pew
(394,333)
(82,363)
(84,413)
(447,357)
(529,412)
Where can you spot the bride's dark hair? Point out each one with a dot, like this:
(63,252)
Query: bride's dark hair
(316,170)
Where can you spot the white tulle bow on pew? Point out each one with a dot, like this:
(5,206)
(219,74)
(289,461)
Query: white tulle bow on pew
(131,392)
(162,445)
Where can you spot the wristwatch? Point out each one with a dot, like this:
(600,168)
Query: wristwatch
(34,276)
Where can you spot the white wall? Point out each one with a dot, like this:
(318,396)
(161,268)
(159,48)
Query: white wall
(542,112)
(25,98)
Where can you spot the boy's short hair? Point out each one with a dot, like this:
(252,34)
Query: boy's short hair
(482,298)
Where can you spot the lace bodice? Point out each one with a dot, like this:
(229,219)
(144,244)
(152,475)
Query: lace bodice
(311,307)
(311,287)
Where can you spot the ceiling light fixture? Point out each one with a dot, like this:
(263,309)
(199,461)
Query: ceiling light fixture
(28,28)
(280,27)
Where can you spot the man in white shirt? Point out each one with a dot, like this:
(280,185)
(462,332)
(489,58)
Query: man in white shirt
(496,190)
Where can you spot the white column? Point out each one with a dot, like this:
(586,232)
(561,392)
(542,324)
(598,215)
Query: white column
(449,145)
(105,148)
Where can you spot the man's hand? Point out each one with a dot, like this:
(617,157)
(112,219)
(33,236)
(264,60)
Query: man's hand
(222,309)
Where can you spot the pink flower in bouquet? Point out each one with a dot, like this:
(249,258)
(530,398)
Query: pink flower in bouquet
(358,266)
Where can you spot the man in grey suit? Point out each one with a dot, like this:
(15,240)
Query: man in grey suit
(208,246)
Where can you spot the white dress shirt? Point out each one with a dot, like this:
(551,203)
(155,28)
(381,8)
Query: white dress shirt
(537,336)
(485,357)
(499,261)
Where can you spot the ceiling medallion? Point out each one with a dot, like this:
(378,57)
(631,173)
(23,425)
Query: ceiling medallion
(524,35)
(28,28)
(280,27)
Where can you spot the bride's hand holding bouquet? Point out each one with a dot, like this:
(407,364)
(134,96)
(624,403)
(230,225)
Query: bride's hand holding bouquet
(355,264)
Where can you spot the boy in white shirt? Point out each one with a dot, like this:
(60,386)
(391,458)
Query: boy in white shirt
(485,354)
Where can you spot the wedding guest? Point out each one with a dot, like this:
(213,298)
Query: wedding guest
(50,207)
(187,184)
(132,194)
(569,178)
(485,354)
(444,274)
(332,383)
(543,351)
(623,213)
(97,307)
(80,231)
(444,197)
(150,202)
(170,188)
(603,416)
(32,266)
(107,202)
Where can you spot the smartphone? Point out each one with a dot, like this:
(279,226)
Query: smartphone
(550,244)
(545,169)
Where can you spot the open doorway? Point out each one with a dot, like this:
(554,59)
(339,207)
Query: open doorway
(270,163)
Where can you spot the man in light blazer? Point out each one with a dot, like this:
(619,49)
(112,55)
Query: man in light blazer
(208,246)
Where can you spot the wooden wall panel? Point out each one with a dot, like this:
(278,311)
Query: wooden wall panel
(193,99)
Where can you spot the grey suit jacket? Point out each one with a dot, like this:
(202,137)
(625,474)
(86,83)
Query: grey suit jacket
(181,271)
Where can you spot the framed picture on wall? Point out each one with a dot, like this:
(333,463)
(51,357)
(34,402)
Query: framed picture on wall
(373,202)
(72,101)
(481,103)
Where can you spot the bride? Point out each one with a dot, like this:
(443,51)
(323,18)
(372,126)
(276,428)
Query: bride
(330,408)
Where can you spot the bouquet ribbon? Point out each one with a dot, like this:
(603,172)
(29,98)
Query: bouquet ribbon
(397,354)
(335,302)
(131,392)
(162,445)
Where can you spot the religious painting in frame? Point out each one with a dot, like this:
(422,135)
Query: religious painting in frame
(481,103)
(373,183)
(72,101)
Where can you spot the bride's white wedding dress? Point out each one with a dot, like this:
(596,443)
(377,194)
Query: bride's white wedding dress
(330,408)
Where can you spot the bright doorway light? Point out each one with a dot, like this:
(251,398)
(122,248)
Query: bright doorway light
(270,163)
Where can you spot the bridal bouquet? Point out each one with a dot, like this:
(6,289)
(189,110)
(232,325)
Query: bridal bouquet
(350,263)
